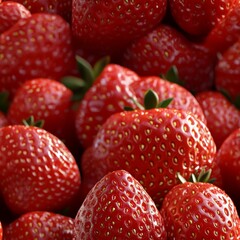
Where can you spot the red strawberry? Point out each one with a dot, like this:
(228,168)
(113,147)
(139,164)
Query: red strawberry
(228,72)
(200,17)
(40,225)
(225,33)
(228,158)
(62,8)
(38,46)
(10,13)
(164,47)
(38,172)
(199,210)
(152,145)
(44,99)
(108,26)
(222,116)
(118,207)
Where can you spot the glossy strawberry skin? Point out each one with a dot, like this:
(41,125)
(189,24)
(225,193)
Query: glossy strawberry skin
(44,99)
(199,18)
(40,46)
(221,115)
(108,26)
(152,145)
(109,94)
(38,172)
(164,47)
(229,163)
(40,224)
(10,13)
(199,211)
(118,207)
(227,71)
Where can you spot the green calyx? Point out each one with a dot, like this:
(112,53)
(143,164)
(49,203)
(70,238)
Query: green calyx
(31,122)
(4,101)
(88,73)
(172,75)
(203,176)
(151,100)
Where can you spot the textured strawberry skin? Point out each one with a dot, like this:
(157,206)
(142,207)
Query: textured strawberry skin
(40,224)
(38,46)
(38,172)
(151,145)
(199,211)
(118,207)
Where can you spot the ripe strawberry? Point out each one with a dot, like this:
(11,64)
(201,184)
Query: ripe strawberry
(62,8)
(225,33)
(228,159)
(164,47)
(40,46)
(228,72)
(38,172)
(152,145)
(10,13)
(108,26)
(222,116)
(200,17)
(40,225)
(118,207)
(199,210)
(44,99)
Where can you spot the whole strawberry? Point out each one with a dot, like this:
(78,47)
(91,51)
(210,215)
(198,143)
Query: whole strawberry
(152,145)
(39,224)
(108,26)
(199,18)
(38,46)
(10,13)
(118,207)
(38,172)
(199,210)
(228,159)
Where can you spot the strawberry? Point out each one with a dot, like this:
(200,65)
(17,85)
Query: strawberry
(10,13)
(108,26)
(222,116)
(118,207)
(40,46)
(40,225)
(163,47)
(62,8)
(152,145)
(199,210)
(199,18)
(227,72)
(38,172)
(225,33)
(44,99)
(228,159)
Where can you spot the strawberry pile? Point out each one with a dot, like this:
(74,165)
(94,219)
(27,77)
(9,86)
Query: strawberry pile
(119,119)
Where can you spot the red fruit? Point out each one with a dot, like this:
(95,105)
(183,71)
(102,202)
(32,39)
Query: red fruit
(152,145)
(38,46)
(199,211)
(225,33)
(10,13)
(108,26)
(221,115)
(228,159)
(118,207)
(164,47)
(40,225)
(109,94)
(44,99)
(62,8)
(38,172)
(200,17)
(228,72)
